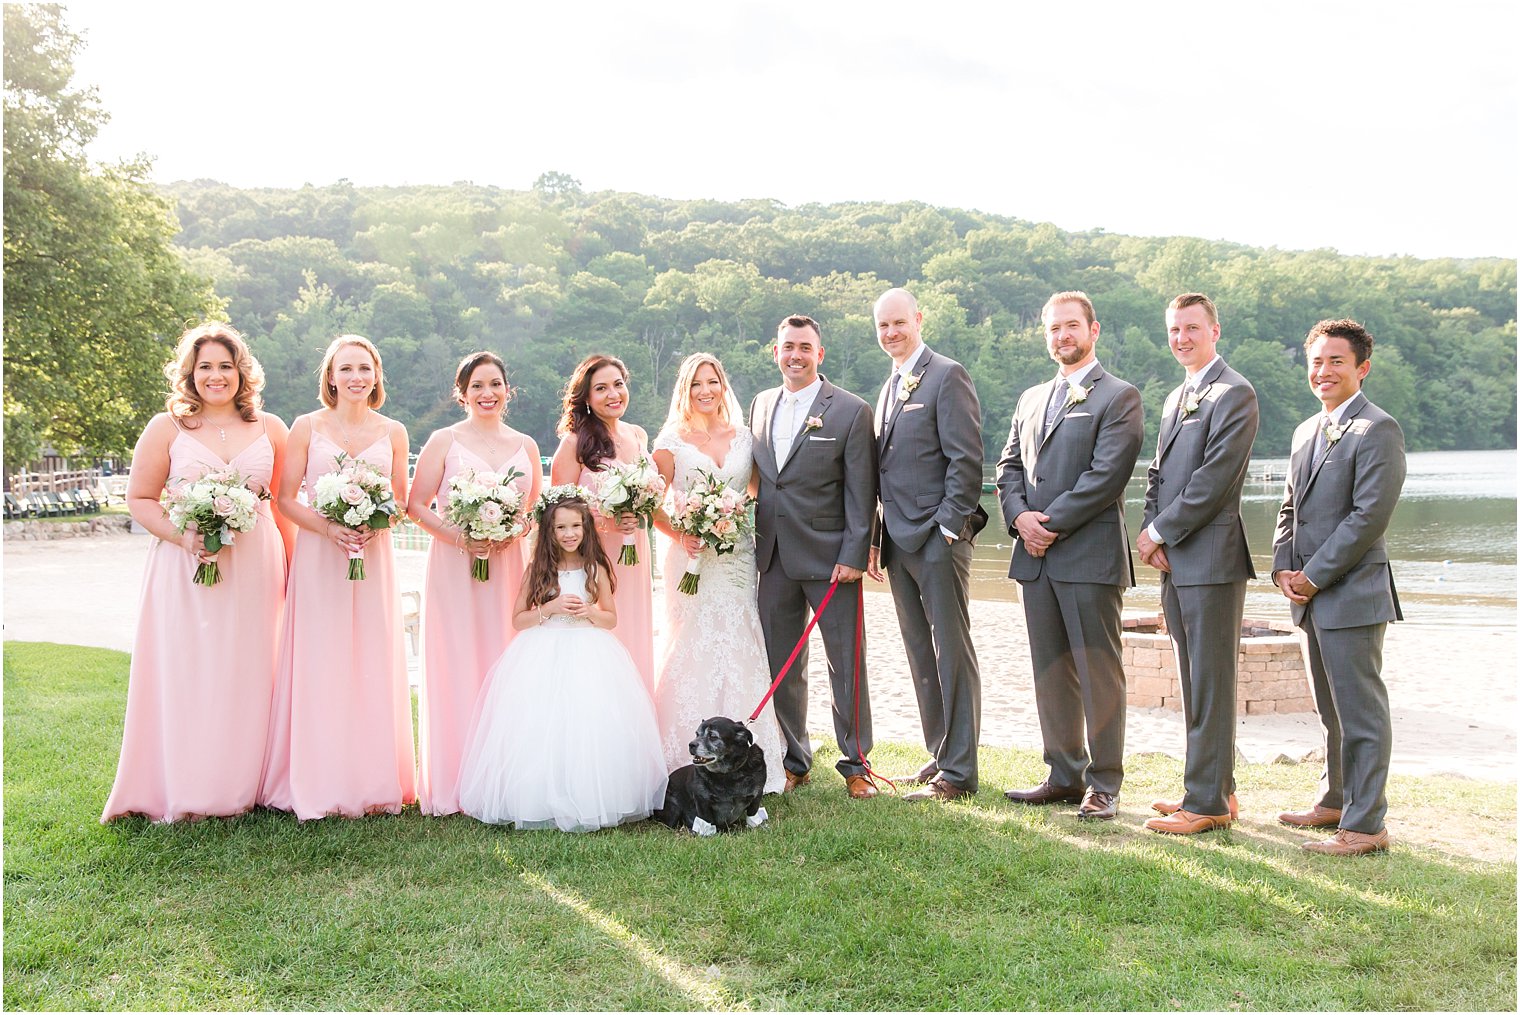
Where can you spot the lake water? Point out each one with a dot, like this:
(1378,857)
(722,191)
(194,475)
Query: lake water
(1452,541)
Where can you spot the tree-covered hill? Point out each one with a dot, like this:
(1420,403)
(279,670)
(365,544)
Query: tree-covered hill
(548,275)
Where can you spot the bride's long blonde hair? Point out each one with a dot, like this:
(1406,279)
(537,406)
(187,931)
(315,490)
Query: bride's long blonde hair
(681,417)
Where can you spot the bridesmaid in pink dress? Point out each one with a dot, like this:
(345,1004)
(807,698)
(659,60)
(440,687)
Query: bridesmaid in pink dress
(204,658)
(340,734)
(593,433)
(466,624)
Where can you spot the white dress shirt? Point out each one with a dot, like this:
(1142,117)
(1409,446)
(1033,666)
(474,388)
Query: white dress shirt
(791,413)
(1192,380)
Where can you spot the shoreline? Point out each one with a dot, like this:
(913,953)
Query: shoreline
(1452,690)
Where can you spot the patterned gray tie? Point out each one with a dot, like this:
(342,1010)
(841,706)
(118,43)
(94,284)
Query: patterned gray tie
(1057,403)
(1321,441)
(889,399)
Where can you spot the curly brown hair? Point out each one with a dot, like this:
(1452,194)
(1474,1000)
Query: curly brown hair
(184,402)
(593,440)
(543,570)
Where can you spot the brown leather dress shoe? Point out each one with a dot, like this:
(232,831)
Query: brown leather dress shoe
(860,787)
(922,776)
(1045,793)
(1173,806)
(1181,822)
(1348,843)
(939,790)
(1314,817)
(1098,806)
(793,780)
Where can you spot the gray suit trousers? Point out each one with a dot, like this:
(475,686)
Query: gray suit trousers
(1204,624)
(931,587)
(784,603)
(1074,630)
(1345,664)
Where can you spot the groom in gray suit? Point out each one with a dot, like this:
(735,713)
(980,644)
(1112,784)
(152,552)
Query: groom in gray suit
(1070,452)
(1330,561)
(815,457)
(929,439)
(1194,536)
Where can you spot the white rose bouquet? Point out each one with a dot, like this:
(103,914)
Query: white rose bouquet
(486,506)
(355,494)
(220,504)
(637,489)
(715,513)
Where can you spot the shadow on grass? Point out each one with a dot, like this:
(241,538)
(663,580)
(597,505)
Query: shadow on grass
(836,904)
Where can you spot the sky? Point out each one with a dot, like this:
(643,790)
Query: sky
(1370,128)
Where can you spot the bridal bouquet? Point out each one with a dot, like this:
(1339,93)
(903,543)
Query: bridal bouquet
(637,489)
(485,505)
(715,513)
(220,504)
(355,494)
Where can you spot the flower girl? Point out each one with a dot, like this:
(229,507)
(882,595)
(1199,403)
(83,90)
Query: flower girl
(564,733)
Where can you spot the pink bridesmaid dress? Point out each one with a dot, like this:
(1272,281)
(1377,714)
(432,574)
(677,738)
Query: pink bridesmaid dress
(340,733)
(203,664)
(466,625)
(634,595)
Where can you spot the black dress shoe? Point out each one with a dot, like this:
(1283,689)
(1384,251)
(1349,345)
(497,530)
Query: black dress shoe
(922,776)
(1098,806)
(1045,793)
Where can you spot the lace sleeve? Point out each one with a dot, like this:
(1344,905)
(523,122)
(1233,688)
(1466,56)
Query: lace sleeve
(666,440)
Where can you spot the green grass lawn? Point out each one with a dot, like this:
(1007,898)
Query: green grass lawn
(836,904)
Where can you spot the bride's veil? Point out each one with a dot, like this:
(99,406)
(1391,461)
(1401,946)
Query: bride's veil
(680,414)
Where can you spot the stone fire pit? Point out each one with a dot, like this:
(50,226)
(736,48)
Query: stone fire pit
(1272,675)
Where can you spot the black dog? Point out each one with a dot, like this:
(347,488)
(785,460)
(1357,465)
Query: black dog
(724,784)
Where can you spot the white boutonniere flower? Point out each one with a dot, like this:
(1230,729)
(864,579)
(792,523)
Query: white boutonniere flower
(1075,394)
(910,384)
(1193,400)
(812,423)
(1334,432)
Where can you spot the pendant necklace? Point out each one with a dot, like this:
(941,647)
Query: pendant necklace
(344,429)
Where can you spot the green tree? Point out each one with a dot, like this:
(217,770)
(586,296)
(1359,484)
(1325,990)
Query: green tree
(95,293)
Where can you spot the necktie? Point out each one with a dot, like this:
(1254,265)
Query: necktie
(1056,404)
(889,398)
(1321,441)
(786,428)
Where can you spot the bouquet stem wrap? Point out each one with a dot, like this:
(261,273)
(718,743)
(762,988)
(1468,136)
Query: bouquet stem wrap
(693,576)
(480,568)
(630,551)
(356,565)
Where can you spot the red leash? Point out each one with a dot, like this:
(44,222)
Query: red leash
(860,621)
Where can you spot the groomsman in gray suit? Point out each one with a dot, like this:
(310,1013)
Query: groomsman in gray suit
(1071,449)
(1194,536)
(815,456)
(929,439)
(1330,561)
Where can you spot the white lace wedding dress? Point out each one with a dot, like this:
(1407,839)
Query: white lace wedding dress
(714,662)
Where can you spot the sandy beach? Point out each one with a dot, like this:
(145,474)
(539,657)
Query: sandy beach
(1452,690)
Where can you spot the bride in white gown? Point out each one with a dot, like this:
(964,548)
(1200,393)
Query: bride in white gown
(714,661)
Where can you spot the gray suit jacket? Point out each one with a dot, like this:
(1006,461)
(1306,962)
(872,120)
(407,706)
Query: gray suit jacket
(1077,477)
(1334,516)
(822,501)
(1192,492)
(931,456)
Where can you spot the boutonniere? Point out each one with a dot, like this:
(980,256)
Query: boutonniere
(812,423)
(1193,400)
(1334,432)
(1075,394)
(910,384)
